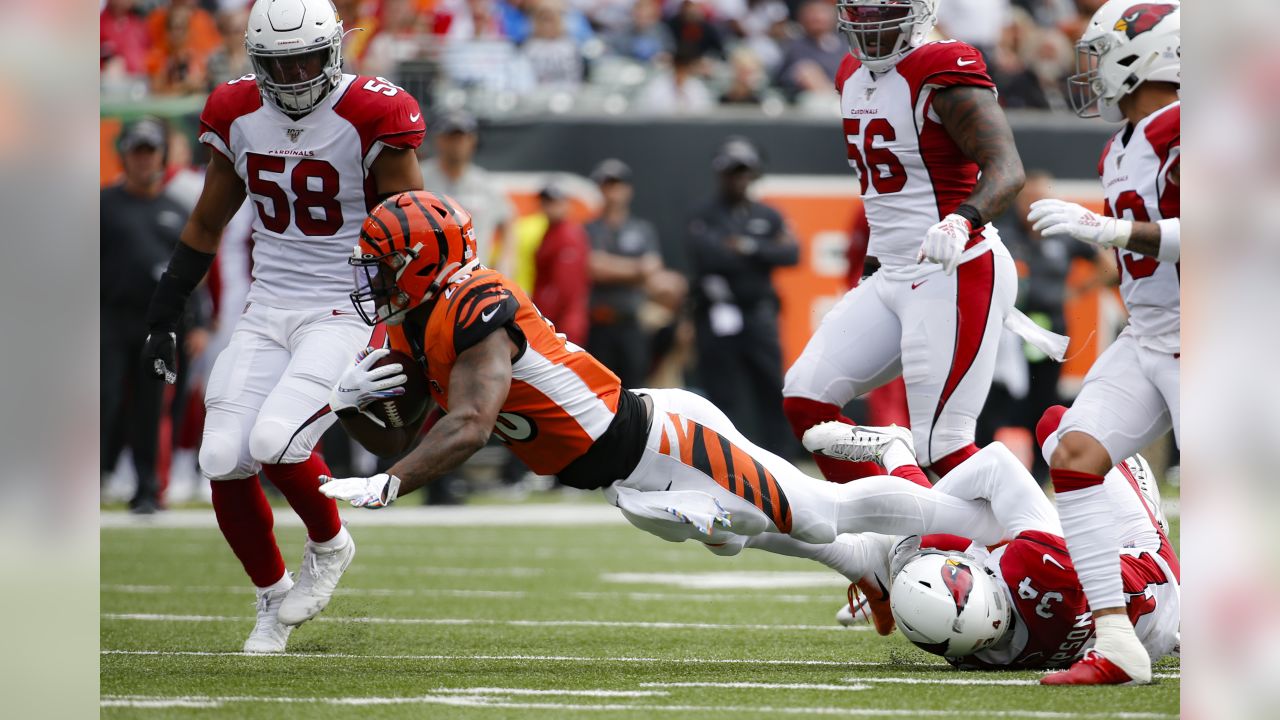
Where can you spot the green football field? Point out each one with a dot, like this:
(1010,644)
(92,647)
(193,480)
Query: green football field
(573,619)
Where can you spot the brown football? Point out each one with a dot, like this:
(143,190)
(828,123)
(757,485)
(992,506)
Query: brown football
(397,412)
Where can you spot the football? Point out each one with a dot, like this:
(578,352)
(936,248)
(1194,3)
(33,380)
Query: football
(398,412)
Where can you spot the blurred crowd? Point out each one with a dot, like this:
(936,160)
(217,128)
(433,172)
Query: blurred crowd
(612,56)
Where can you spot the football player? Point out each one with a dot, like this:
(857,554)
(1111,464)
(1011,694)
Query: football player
(1130,68)
(1019,605)
(936,161)
(668,459)
(313,149)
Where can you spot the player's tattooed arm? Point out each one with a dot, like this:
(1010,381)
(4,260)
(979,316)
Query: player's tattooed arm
(974,120)
(479,384)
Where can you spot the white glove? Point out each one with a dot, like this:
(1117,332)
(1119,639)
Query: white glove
(362,383)
(944,243)
(1059,218)
(374,492)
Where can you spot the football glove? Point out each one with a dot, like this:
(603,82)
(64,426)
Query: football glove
(1059,218)
(944,243)
(362,384)
(374,492)
(160,354)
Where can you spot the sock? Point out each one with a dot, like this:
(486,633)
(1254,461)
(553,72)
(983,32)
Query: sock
(803,414)
(244,516)
(947,463)
(284,583)
(1092,537)
(848,555)
(337,541)
(300,485)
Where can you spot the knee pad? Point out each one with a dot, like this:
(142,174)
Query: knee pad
(220,458)
(270,442)
(803,413)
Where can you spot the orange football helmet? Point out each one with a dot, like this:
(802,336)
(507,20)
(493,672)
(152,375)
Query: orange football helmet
(410,245)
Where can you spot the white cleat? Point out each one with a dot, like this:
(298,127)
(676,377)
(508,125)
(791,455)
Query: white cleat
(1148,488)
(269,634)
(856,613)
(856,443)
(321,571)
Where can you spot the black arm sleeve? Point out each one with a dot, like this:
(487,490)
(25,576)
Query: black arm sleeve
(186,269)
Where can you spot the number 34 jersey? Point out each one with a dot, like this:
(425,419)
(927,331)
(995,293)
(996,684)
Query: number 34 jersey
(308,179)
(911,173)
(1140,170)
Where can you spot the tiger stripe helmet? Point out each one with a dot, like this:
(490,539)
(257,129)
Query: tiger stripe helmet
(411,245)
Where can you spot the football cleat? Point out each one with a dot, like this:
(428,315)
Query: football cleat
(856,443)
(855,612)
(1148,488)
(873,588)
(1092,669)
(321,570)
(269,634)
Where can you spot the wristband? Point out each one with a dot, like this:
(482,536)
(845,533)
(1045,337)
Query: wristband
(970,213)
(1170,240)
(1121,231)
(391,490)
(187,267)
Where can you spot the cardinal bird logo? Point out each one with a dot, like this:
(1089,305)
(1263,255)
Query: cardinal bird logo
(959,580)
(1141,18)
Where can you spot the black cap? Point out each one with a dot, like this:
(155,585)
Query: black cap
(146,131)
(736,153)
(611,169)
(456,121)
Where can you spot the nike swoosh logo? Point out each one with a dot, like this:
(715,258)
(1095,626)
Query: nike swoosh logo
(414,117)
(915,285)
(342,312)
(963,63)
(884,591)
(485,316)
(1049,559)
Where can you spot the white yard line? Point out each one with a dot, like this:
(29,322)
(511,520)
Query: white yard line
(756,686)
(155,617)
(488,701)
(530,515)
(519,658)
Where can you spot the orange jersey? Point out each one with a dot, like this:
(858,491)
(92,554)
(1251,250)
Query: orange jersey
(561,400)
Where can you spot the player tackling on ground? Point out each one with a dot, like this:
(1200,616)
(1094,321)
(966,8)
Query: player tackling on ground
(313,149)
(1130,72)
(936,161)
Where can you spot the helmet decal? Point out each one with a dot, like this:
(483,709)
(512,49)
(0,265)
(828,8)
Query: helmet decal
(959,580)
(1143,17)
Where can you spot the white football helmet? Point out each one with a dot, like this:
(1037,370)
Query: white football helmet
(296,50)
(949,605)
(1126,44)
(880,32)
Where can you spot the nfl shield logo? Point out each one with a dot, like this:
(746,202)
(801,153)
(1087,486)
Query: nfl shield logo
(293,133)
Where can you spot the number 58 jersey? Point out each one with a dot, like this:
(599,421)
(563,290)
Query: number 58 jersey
(1140,170)
(308,179)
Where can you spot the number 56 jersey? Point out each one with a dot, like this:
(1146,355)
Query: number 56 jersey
(1140,170)
(308,179)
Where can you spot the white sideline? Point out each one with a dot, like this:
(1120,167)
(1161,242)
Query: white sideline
(481,700)
(520,658)
(532,515)
(155,617)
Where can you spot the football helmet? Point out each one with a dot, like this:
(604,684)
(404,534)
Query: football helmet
(1126,44)
(410,246)
(880,32)
(948,604)
(296,50)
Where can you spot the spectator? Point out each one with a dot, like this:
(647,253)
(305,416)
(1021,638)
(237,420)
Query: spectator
(1018,85)
(624,257)
(817,49)
(140,226)
(553,55)
(695,34)
(230,61)
(748,78)
(123,39)
(477,53)
(354,44)
(979,23)
(517,21)
(645,38)
(562,281)
(736,243)
(676,91)
(764,29)
(179,62)
(451,172)
(403,36)
(461,20)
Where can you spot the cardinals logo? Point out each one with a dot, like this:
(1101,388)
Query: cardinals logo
(1141,18)
(959,580)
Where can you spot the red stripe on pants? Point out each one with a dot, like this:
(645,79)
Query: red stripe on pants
(975,285)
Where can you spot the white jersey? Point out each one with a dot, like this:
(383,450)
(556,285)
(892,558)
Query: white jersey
(1139,171)
(308,180)
(912,174)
